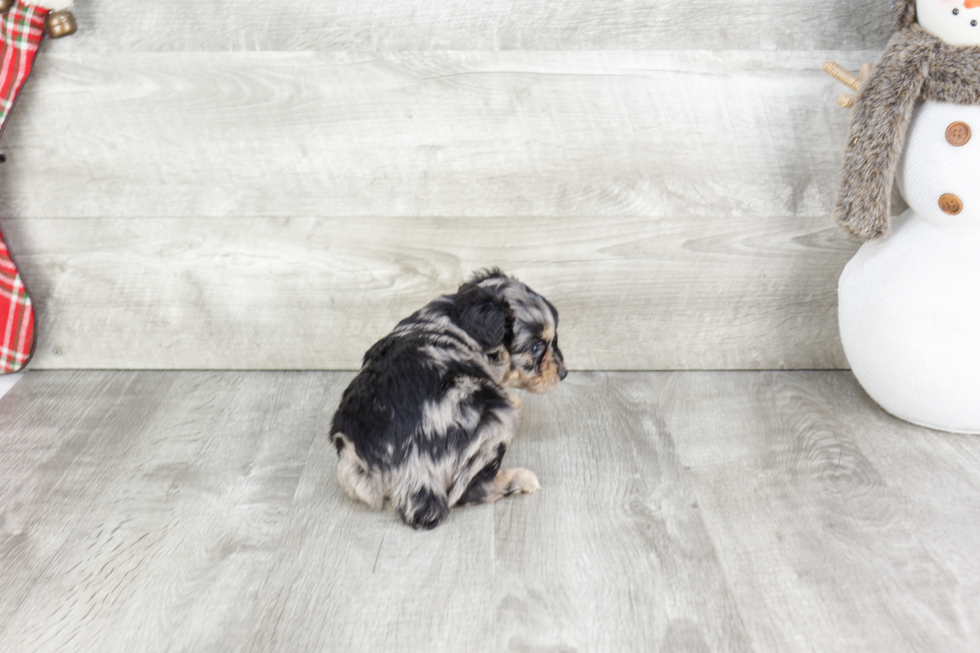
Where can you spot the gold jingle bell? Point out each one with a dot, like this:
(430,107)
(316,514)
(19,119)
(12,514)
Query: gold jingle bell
(61,23)
(5,6)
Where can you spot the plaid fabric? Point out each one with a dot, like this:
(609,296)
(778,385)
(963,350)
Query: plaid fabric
(21,29)
(16,316)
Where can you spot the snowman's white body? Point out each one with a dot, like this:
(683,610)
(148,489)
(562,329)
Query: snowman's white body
(909,304)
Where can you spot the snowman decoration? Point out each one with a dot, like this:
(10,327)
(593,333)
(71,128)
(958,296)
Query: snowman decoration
(909,300)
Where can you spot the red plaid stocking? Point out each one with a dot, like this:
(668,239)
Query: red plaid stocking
(16,317)
(21,29)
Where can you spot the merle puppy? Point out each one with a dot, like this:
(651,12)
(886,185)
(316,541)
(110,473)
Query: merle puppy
(425,423)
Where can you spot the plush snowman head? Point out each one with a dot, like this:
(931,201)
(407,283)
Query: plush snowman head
(957,22)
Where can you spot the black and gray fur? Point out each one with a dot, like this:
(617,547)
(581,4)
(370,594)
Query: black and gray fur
(915,65)
(425,423)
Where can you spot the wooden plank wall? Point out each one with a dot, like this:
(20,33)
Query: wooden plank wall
(272,186)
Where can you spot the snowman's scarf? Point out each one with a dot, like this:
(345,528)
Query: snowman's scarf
(904,12)
(915,65)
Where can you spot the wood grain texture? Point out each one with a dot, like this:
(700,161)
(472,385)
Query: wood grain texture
(939,477)
(822,550)
(376,584)
(633,293)
(186,25)
(693,511)
(242,210)
(140,510)
(612,553)
(683,135)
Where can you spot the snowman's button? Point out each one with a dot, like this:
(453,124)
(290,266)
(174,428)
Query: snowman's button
(950,204)
(958,134)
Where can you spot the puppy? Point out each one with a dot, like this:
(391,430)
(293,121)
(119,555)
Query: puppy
(425,423)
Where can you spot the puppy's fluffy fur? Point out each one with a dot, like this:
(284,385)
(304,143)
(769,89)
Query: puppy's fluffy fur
(425,423)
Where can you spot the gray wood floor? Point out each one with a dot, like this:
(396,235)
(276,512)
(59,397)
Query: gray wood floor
(685,511)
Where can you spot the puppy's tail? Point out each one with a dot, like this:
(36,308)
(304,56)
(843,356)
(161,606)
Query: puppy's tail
(424,509)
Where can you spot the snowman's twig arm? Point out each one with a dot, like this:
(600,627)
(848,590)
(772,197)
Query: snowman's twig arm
(878,127)
(854,82)
(834,70)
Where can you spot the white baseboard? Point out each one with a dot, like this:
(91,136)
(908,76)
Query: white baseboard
(7,381)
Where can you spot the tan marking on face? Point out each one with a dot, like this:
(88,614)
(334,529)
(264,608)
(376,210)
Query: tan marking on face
(544,381)
(549,334)
(512,379)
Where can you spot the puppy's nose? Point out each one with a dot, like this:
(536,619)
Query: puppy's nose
(562,373)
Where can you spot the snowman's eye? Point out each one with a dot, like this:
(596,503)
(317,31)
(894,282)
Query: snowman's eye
(956,12)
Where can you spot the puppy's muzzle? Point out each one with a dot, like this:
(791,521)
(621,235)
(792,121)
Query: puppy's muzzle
(562,370)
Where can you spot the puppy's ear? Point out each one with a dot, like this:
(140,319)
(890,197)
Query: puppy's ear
(482,315)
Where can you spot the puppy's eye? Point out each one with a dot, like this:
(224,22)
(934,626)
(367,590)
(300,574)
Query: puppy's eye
(538,348)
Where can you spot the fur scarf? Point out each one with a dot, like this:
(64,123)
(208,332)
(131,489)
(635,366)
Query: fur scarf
(916,65)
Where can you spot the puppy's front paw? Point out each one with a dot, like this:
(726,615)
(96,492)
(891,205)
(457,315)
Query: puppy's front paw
(523,481)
